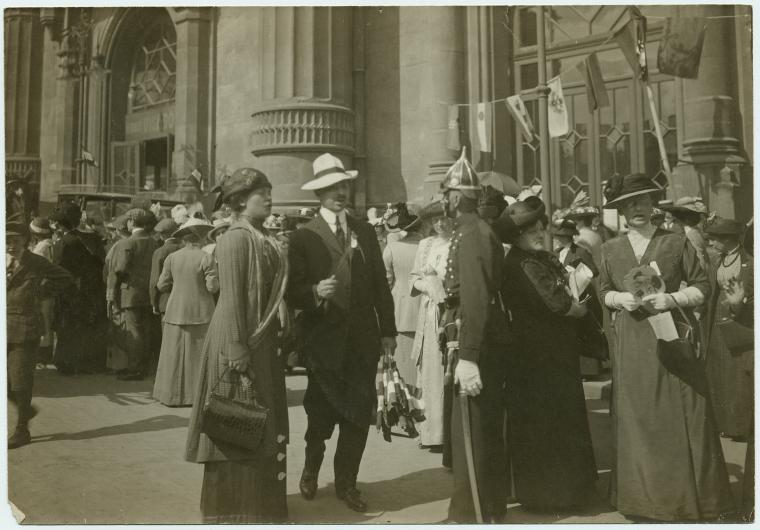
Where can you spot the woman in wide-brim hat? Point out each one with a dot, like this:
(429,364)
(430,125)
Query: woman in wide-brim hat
(189,276)
(240,485)
(426,284)
(549,432)
(668,463)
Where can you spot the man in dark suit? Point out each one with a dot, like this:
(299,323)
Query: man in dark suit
(337,278)
(132,264)
(30,279)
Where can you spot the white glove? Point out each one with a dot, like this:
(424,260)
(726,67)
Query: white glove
(660,301)
(626,301)
(467,374)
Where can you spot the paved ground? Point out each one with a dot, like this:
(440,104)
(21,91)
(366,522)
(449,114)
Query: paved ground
(105,452)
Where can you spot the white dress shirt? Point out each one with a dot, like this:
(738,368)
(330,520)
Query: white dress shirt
(333,218)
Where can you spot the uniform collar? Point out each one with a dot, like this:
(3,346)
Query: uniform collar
(465,219)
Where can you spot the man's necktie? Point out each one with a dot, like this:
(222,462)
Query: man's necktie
(340,234)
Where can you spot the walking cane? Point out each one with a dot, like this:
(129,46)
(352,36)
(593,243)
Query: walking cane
(464,406)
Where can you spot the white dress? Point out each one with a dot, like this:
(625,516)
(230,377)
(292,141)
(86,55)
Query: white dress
(430,266)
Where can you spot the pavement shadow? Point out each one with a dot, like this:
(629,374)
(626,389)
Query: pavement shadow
(157,423)
(392,495)
(49,383)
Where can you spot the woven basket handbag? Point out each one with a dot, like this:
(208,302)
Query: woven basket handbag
(234,421)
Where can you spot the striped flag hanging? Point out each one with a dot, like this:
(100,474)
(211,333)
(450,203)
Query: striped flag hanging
(483,123)
(680,49)
(595,89)
(519,112)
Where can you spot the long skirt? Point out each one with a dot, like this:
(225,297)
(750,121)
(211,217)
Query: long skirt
(668,463)
(244,491)
(403,357)
(179,363)
(430,372)
(726,372)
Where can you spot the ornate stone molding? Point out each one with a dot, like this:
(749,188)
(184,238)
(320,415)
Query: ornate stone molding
(26,168)
(303,127)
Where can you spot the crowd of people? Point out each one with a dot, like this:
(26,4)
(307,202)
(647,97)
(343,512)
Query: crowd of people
(493,313)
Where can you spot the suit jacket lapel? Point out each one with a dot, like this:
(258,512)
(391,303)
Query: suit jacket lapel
(319,226)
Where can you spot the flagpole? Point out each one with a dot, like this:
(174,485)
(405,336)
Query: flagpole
(543,117)
(657,130)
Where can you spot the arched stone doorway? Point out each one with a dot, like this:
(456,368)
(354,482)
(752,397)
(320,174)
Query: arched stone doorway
(141,102)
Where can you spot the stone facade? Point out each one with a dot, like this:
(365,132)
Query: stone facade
(272,87)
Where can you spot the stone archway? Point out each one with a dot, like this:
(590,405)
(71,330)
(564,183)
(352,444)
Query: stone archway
(183,122)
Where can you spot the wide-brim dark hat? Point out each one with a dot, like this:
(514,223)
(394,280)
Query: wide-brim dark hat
(621,188)
(40,226)
(566,227)
(245,179)
(429,211)
(719,226)
(68,212)
(517,216)
(492,203)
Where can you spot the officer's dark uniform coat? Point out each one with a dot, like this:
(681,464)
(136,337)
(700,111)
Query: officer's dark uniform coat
(473,277)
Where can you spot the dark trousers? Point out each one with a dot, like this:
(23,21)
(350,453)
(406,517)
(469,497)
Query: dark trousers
(22,359)
(487,413)
(137,332)
(321,420)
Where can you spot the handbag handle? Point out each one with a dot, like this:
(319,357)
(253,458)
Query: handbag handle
(232,391)
(690,329)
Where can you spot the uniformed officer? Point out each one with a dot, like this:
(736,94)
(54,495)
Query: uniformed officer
(474,317)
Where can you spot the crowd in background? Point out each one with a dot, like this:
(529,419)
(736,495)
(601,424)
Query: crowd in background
(145,287)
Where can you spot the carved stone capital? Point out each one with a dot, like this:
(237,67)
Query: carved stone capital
(303,127)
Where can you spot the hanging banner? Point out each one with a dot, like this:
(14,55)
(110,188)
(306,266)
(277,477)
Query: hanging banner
(595,89)
(483,126)
(559,124)
(632,39)
(454,139)
(680,49)
(519,112)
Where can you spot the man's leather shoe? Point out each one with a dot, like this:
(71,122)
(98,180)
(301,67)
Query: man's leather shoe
(308,485)
(131,376)
(19,438)
(353,499)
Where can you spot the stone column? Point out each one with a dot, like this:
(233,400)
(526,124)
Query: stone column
(432,66)
(23,92)
(711,134)
(191,145)
(306,87)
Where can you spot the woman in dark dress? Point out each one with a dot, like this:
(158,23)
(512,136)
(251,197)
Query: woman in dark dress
(80,320)
(668,463)
(549,437)
(242,486)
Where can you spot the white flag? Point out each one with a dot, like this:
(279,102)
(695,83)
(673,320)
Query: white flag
(559,124)
(484,126)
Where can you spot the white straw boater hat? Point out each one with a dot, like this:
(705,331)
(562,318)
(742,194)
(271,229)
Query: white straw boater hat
(328,170)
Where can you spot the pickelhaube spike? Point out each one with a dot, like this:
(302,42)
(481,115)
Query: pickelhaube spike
(461,176)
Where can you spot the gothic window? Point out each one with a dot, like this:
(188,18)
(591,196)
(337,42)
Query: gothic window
(155,68)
